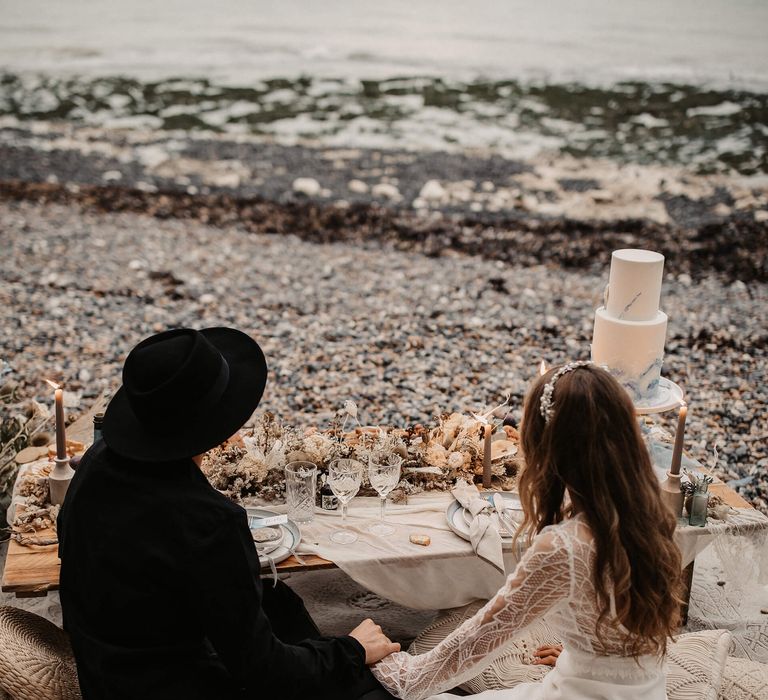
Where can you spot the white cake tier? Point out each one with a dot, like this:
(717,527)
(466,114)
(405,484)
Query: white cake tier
(634,284)
(633,351)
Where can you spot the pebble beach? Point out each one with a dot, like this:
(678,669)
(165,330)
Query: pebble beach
(405,335)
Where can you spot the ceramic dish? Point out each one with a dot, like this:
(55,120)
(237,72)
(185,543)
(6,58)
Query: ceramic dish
(459,519)
(278,550)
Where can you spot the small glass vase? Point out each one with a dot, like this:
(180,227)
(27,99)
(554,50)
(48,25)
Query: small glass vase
(698,509)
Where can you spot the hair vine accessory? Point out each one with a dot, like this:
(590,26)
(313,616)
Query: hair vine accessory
(545,404)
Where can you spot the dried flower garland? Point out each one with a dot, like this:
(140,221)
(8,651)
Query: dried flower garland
(252,466)
(433,458)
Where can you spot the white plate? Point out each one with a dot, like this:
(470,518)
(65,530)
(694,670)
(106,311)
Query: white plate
(279,550)
(667,396)
(458,518)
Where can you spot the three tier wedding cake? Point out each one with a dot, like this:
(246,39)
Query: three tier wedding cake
(630,330)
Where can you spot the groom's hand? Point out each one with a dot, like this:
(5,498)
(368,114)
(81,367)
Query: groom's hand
(376,644)
(547,656)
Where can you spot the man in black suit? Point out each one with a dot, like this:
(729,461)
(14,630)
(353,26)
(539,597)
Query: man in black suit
(160,581)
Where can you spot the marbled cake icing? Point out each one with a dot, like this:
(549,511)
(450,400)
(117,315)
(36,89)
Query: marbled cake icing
(630,331)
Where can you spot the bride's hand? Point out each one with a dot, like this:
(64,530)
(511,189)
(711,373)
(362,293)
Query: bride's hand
(547,655)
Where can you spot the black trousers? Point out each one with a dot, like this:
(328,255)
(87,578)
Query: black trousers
(292,623)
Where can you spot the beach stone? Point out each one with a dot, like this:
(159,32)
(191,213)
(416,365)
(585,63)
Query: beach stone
(601,196)
(386,190)
(228,180)
(722,209)
(433,191)
(112,176)
(307,186)
(529,202)
(358,186)
(72,399)
(462,192)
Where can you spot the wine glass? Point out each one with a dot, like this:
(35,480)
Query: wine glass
(384,473)
(344,477)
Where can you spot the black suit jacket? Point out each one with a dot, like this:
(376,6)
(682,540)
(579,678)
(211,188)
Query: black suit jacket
(161,594)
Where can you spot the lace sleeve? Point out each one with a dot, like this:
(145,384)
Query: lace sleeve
(541,581)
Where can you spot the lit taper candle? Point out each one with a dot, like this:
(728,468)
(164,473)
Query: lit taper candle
(487,473)
(61,434)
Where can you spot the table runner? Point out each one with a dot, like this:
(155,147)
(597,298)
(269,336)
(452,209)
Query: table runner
(445,574)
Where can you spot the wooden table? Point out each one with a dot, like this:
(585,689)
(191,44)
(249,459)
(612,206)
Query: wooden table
(33,570)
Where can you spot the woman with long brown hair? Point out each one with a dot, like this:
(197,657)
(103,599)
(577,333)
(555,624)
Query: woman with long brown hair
(601,563)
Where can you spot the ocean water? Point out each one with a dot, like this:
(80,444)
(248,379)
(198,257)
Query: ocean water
(718,42)
(681,81)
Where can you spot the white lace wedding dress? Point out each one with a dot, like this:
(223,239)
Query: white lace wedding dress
(553,578)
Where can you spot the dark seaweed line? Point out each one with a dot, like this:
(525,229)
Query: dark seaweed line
(734,250)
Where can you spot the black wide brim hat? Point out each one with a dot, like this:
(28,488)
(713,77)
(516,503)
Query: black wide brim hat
(184,392)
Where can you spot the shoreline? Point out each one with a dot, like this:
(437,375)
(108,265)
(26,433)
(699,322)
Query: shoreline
(704,128)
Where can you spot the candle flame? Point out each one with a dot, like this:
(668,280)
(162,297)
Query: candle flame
(543,368)
(53,385)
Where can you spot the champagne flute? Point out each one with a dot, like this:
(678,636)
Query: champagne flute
(344,477)
(384,473)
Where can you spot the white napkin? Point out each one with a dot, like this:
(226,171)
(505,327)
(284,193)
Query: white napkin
(483,533)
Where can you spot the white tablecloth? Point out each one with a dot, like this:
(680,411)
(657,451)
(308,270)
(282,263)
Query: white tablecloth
(448,574)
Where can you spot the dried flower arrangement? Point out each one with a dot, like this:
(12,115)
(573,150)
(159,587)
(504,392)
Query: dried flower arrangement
(37,512)
(433,458)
